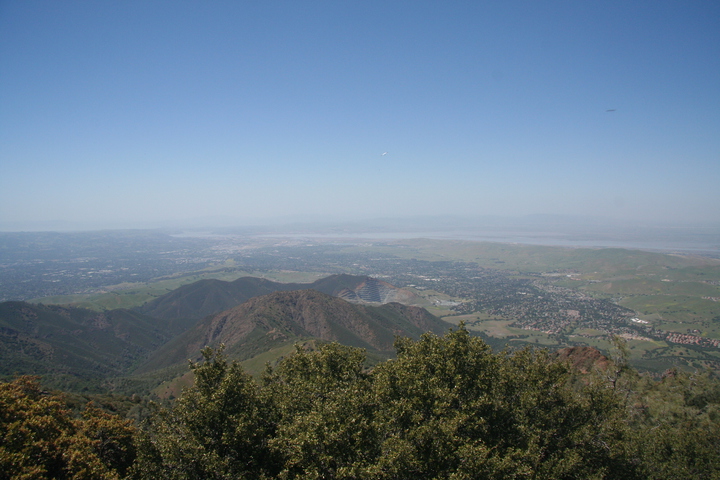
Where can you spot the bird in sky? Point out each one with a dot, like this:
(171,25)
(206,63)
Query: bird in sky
(610,110)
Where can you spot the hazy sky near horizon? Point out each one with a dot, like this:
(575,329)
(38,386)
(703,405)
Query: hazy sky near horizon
(153,112)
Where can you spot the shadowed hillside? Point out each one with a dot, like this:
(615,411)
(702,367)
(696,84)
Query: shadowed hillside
(76,345)
(205,297)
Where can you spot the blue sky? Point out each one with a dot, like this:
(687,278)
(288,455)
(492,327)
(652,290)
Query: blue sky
(120,113)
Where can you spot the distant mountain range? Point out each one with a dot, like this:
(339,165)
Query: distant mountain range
(78,348)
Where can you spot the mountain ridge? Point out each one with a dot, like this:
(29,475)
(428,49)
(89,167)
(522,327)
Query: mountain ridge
(77,348)
(288,316)
(210,296)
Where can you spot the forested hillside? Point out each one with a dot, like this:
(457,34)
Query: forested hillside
(76,348)
(446,407)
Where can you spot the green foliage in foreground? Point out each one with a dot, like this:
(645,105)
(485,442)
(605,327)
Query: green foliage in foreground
(446,408)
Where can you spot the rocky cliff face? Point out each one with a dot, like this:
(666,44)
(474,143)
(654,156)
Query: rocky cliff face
(584,359)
